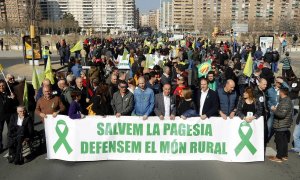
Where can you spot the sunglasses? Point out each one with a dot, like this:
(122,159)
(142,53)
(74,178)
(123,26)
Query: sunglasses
(123,87)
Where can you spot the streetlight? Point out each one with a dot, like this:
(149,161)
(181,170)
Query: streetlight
(32,29)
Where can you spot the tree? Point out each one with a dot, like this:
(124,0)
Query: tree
(68,23)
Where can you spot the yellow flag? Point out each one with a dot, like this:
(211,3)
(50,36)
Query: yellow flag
(25,96)
(1,67)
(125,53)
(249,66)
(77,47)
(194,44)
(150,50)
(48,72)
(35,79)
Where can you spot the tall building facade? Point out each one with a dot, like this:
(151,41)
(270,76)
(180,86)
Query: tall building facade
(154,19)
(183,15)
(137,18)
(166,15)
(260,15)
(100,15)
(15,13)
(3,17)
(145,20)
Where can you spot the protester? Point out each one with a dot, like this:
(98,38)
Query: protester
(282,124)
(272,97)
(165,104)
(143,99)
(6,102)
(48,104)
(166,78)
(131,85)
(206,101)
(248,108)
(186,107)
(122,101)
(228,100)
(20,130)
(75,108)
(65,94)
(286,68)
(101,101)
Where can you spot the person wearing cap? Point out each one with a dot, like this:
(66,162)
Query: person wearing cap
(46,53)
(272,96)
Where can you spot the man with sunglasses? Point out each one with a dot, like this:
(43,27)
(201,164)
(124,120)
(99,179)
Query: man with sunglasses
(122,101)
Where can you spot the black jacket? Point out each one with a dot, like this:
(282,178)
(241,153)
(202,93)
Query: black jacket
(211,103)
(14,131)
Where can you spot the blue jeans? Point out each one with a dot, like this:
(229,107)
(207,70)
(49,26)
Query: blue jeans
(274,66)
(296,136)
(270,125)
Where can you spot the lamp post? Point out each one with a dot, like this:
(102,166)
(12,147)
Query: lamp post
(32,29)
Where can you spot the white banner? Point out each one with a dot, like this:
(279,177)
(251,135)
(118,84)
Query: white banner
(130,138)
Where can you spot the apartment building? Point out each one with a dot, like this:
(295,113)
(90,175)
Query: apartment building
(166,16)
(183,15)
(100,15)
(260,15)
(145,20)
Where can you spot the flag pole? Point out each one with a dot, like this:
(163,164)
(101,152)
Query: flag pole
(6,81)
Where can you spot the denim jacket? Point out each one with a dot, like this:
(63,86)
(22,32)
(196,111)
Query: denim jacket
(143,102)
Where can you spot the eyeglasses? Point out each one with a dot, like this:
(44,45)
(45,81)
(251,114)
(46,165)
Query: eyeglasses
(213,67)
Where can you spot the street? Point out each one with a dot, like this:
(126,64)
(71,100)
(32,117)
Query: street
(41,168)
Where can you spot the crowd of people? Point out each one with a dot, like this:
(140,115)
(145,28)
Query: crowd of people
(172,88)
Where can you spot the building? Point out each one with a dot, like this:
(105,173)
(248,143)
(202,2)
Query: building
(260,15)
(154,19)
(183,15)
(145,21)
(137,18)
(166,15)
(99,15)
(3,17)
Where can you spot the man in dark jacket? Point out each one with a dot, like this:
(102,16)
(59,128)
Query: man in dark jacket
(206,101)
(282,123)
(260,96)
(6,104)
(228,100)
(20,130)
(122,101)
(166,76)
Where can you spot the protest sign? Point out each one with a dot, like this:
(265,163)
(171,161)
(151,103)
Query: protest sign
(96,138)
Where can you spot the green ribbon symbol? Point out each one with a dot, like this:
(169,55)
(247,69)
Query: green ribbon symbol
(245,140)
(62,137)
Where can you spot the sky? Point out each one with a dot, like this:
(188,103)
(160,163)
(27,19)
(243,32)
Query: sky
(146,5)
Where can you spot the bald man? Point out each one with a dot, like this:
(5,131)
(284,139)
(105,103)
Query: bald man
(143,100)
(228,100)
(48,104)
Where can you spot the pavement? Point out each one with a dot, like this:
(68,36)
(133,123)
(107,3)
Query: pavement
(41,168)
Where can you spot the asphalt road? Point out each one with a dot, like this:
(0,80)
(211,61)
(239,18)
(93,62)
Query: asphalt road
(41,168)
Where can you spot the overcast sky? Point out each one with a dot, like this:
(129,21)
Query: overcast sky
(146,5)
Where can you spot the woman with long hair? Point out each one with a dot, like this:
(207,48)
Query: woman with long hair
(248,108)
